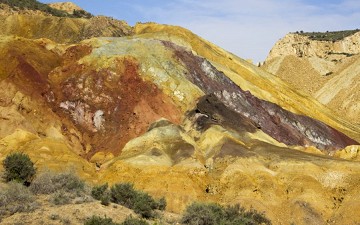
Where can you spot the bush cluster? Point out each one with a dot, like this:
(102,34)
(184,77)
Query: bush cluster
(18,167)
(96,220)
(125,194)
(214,214)
(16,198)
(101,193)
(64,187)
(134,221)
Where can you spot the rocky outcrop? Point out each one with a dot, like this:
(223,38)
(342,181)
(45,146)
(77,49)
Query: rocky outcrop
(327,70)
(68,7)
(303,46)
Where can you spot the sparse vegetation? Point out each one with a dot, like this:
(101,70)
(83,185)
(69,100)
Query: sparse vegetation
(19,167)
(81,14)
(162,203)
(134,221)
(328,35)
(35,5)
(101,193)
(61,197)
(64,187)
(98,191)
(142,203)
(16,198)
(97,220)
(48,183)
(213,214)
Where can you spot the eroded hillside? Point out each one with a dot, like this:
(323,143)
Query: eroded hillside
(323,68)
(174,114)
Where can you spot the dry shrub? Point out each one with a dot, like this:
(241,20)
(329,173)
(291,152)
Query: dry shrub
(16,198)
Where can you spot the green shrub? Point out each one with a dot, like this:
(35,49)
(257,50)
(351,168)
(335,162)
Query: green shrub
(101,193)
(161,204)
(96,220)
(19,167)
(144,205)
(98,191)
(123,194)
(141,202)
(16,198)
(213,214)
(134,221)
(105,199)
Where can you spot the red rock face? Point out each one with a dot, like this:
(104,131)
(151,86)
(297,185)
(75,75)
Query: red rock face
(111,108)
(225,99)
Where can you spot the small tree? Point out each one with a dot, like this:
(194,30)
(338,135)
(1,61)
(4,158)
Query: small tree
(19,167)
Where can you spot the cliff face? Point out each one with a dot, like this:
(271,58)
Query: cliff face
(326,70)
(303,46)
(174,114)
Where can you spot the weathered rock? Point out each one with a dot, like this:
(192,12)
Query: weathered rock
(326,70)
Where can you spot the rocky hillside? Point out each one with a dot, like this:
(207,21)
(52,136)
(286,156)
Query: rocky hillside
(68,7)
(323,65)
(177,116)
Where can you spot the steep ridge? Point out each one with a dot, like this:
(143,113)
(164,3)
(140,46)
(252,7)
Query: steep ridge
(318,67)
(179,117)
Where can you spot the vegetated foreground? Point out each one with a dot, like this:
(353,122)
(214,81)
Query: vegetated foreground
(59,194)
(173,114)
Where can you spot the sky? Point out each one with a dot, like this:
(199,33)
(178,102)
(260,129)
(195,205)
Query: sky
(247,28)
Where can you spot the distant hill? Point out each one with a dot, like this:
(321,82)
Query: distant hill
(35,5)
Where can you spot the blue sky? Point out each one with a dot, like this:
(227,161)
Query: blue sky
(247,28)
